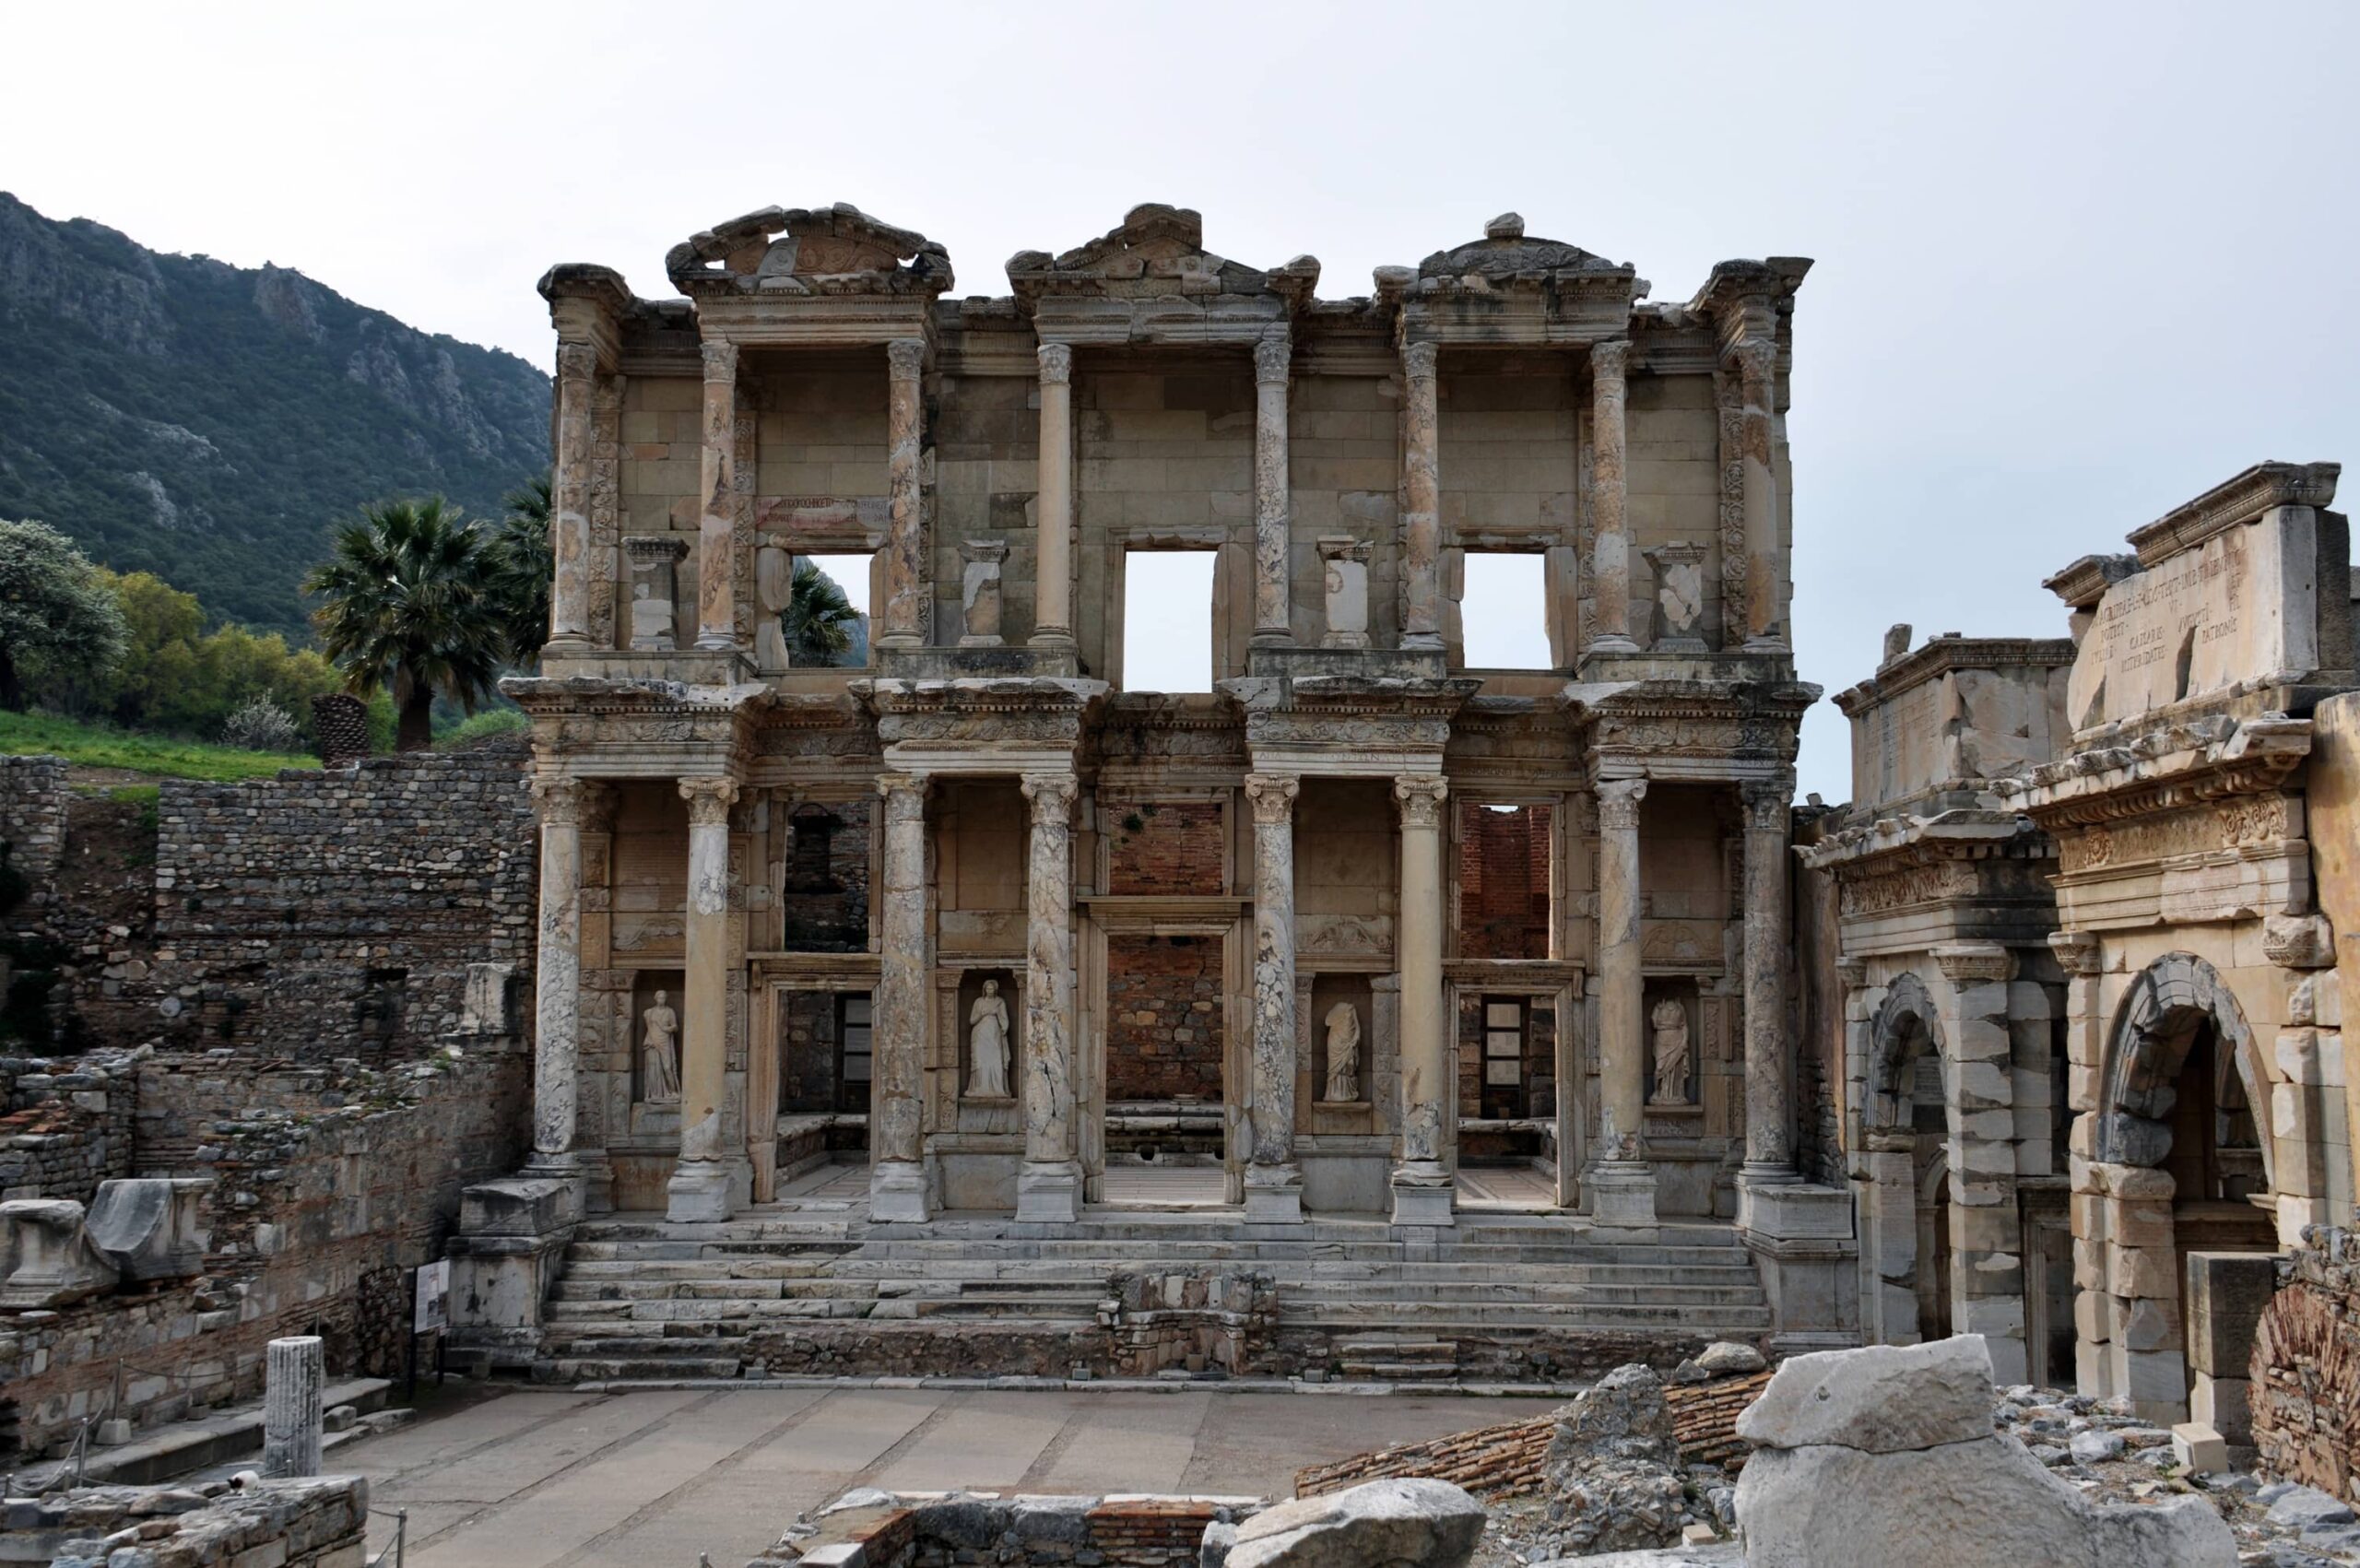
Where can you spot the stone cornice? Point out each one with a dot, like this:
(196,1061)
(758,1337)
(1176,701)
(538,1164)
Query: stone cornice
(1941,655)
(1968,833)
(2084,583)
(2240,499)
(2174,765)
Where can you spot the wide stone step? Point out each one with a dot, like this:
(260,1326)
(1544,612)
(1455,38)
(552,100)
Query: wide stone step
(1395,1348)
(1440,1316)
(643,1347)
(698,1267)
(601,1369)
(1399,1372)
(1748,1294)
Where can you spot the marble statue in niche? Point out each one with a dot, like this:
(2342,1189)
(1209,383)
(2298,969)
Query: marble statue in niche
(1343,1026)
(988,1046)
(1668,1031)
(660,1068)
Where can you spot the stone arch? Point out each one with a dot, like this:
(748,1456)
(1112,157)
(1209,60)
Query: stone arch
(1904,1032)
(2155,1026)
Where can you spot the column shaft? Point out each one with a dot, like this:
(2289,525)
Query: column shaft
(1273,1180)
(905,574)
(897,1177)
(557,971)
(577,365)
(1273,610)
(1053,575)
(700,1185)
(1769,1138)
(1049,1185)
(294,1388)
(716,526)
(1622,1184)
(1757,364)
(1422,1193)
(1421,496)
(1609,493)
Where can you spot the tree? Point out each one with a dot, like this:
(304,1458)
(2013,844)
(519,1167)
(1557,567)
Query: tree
(408,612)
(521,567)
(54,612)
(818,621)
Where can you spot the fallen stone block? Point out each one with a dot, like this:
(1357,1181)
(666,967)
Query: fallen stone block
(1880,1399)
(151,1227)
(1412,1523)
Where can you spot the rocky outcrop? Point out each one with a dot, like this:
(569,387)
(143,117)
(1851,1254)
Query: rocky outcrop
(1870,1457)
(1400,1524)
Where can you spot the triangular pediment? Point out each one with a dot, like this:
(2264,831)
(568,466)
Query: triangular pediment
(1156,249)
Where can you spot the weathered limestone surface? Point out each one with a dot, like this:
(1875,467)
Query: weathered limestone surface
(1427,1523)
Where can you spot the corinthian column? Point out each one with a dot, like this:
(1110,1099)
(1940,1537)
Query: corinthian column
(1421,1181)
(1053,546)
(716,527)
(1623,1187)
(577,365)
(700,1186)
(897,1187)
(1273,610)
(557,973)
(1422,493)
(1049,1186)
(1273,1180)
(1757,366)
(905,523)
(1769,1140)
(1609,492)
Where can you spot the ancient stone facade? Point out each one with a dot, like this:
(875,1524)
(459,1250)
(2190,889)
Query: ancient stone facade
(2091,892)
(1016,827)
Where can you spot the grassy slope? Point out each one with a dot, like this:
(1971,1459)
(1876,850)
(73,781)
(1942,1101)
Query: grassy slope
(94,746)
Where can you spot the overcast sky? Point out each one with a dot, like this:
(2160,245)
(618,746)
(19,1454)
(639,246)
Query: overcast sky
(2075,263)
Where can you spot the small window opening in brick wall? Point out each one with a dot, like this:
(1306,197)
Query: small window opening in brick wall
(825,619)
(1168,621)
(1504,612)
(1503,852)
(377,1015)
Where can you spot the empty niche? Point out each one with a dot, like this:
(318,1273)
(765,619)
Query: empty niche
(1503,863)
(1504,612)
(1168,621)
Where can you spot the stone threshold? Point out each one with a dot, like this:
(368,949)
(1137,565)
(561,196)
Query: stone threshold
(182,1446)
(1435,1389)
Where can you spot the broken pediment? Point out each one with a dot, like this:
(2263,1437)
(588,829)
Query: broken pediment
(835,250)
(1157,250)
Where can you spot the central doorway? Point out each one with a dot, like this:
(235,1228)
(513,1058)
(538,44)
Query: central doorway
(1165,1054)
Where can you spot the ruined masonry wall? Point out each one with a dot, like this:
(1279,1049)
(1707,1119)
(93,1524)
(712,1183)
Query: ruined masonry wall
(33,797)
(66,1126)
(331,1183)
(326,914)
(312,1523)
(1164,1032)
(2305,1393)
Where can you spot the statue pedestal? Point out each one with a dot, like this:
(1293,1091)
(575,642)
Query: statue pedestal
(1048,1192)
(1273,1195)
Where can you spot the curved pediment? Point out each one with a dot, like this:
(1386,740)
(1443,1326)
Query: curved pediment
(1505,250)
(834,249)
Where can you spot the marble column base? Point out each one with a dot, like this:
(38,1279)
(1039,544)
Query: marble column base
(1423,1194)
(1622,1196)
(897,1192)
(571,1173)
(1615,644)
(699,1190)
(1273,1195)
(1048,1192)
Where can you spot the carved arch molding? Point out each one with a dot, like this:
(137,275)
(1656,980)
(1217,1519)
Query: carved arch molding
(2153,1027)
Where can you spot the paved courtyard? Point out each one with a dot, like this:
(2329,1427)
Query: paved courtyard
(535,1479)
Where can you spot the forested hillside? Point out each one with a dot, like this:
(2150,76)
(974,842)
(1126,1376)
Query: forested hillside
(211,423)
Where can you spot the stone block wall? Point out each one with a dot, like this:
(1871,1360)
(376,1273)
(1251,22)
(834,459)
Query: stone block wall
(33,797)
(330,1184)
(66,1126)
(324,915)
(888,1530)
(1164,1030)
(1172,847)
(321,1521)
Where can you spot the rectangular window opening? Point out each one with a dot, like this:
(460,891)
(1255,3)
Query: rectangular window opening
(1168,621)
(1504,879)
(1503,614)
(824,618)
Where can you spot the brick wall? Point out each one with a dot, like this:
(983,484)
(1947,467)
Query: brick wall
(327,914)
(1165,1031)
(2306,1391)
(1167,847)
(823,897)
(1504,881)
(329,1183)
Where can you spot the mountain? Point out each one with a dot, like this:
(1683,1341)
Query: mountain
(212,423)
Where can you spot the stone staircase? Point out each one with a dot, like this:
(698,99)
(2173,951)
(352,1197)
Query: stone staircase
(642,1299)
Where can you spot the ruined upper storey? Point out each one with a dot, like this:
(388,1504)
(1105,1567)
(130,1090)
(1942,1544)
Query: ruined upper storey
(1003,460)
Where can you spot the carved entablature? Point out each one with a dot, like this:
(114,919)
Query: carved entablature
(2205,759)
(635,728)
(2237,501)
(1907,882)
(1349,726)
(830,250)
(815,726)
(2206,829)
(982,725)
(1169,737)
(1151,281)
(1508,287)
(1691,730)
(1745,299)
(588,303)
(2084,583)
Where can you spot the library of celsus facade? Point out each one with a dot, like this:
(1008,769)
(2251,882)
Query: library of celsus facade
(1343,921)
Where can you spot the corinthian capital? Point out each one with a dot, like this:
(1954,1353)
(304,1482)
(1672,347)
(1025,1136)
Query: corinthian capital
(1609,361)
(1273,357)
(560,801)
(1056,364)
(1769,803)
(1618,803)
(576,361)
(1052,795)
(720,360)
(1757,361)
(709,800)
(904,357)
(1418,360)
(1421,798)
(1272,795)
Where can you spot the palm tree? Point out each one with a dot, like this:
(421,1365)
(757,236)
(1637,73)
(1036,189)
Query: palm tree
(818,621)
(407,610)
(519,568)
